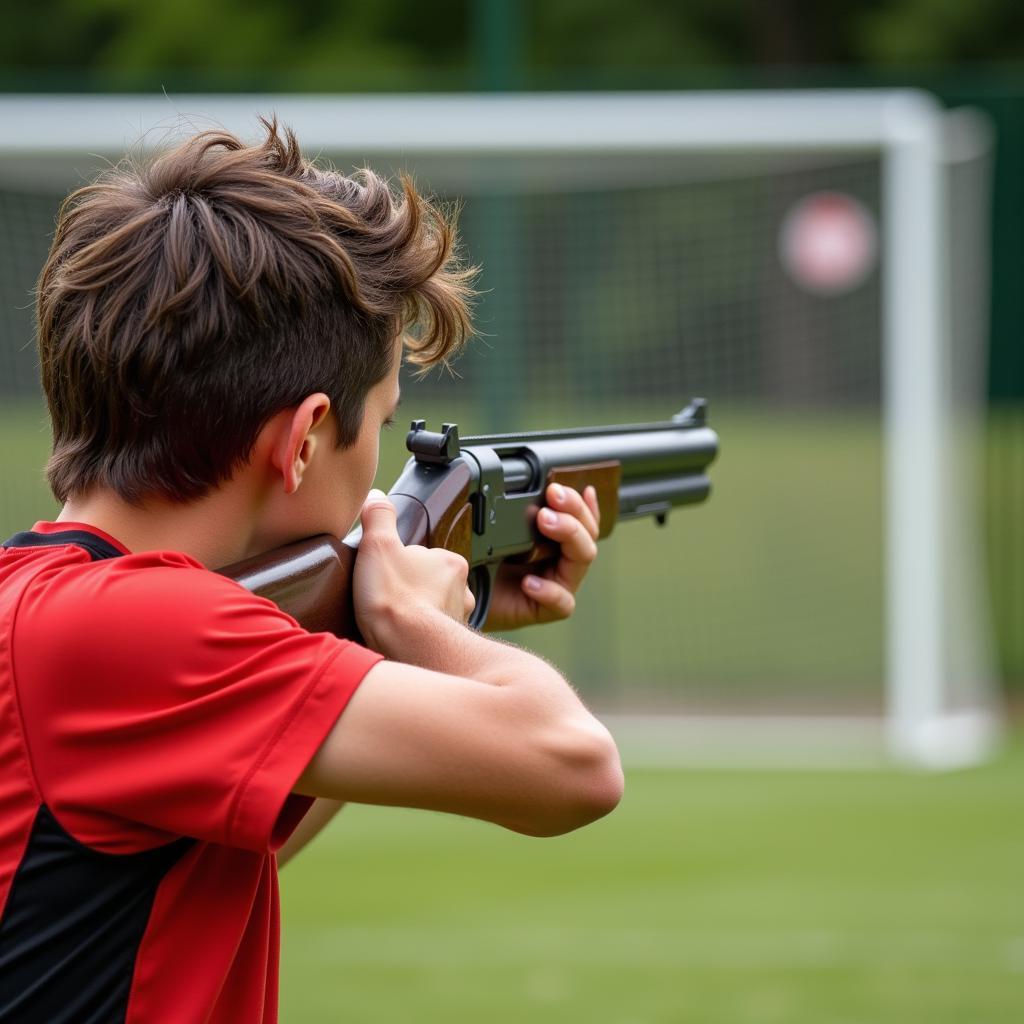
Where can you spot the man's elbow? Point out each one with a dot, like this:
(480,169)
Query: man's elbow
(587,780)
(601,784)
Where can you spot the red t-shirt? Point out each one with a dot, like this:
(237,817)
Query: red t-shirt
(155,717)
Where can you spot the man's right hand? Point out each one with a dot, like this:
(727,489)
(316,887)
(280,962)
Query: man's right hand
(392,581)
(451,720)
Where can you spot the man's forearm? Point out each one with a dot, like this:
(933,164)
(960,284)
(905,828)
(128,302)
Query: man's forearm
(430,639)
(456,722)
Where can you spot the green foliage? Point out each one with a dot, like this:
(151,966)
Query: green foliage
(941,31)
(306,45)
(582,33)
(404,44)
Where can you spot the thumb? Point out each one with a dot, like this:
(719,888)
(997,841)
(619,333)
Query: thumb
(378,514)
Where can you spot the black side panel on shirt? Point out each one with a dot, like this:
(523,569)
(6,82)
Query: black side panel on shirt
(75,917)
(72,927)
(96,546)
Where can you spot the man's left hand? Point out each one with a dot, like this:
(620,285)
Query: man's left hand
(526,595)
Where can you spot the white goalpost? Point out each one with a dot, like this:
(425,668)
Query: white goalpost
(941,709)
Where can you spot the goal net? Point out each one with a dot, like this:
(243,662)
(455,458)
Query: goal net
(812,264)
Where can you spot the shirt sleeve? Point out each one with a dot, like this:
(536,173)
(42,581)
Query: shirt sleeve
(163,699)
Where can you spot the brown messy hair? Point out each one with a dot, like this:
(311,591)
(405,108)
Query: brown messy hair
(189,298)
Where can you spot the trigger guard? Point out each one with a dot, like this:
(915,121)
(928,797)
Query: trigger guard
(481,583)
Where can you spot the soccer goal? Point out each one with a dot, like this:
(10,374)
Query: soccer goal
(813,263)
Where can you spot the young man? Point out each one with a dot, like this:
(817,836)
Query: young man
(220,336)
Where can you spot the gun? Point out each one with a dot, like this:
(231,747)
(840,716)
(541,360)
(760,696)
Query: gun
(479,496)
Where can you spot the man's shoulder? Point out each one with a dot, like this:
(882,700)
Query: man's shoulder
(137,580)
(159,601)
(156,628)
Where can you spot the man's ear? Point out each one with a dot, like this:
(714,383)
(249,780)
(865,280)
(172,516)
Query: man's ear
(296,439)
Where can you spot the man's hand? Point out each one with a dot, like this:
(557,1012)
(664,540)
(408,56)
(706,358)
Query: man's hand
(390,577)
(525,595)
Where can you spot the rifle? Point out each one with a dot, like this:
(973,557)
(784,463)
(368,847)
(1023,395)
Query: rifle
(479,497)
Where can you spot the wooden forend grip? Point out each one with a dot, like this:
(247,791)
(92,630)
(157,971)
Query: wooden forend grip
(604,477)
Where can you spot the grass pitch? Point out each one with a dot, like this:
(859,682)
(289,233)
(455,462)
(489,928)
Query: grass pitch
(706,898)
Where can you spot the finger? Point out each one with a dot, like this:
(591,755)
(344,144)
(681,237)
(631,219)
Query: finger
(469,603)
(590,497)
(577,551)
(568,499)
(576,543)
(556,599)
(453,560)
(378,515)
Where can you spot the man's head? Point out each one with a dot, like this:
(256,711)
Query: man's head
(188,301)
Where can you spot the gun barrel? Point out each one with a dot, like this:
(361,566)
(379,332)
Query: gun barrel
(652,497)
(664,465)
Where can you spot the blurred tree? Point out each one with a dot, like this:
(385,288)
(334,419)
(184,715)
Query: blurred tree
(942,31)
(309,44)
(342,44)
(659,34)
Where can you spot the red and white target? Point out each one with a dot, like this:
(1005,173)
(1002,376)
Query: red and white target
(828,243)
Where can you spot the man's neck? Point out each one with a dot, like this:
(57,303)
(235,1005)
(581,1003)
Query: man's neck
(216,530)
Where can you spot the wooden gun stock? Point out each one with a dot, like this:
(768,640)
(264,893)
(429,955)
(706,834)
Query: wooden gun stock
(311,579)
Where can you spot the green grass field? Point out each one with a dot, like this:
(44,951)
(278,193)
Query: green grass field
(706,898)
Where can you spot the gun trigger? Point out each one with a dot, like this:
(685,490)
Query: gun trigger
(661,518)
